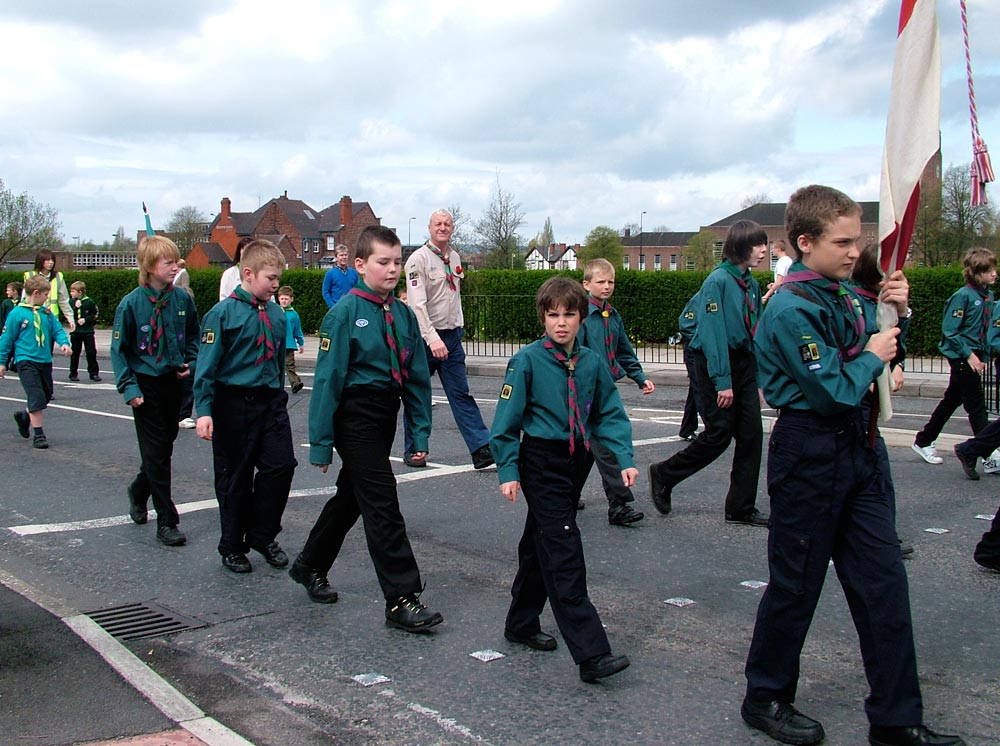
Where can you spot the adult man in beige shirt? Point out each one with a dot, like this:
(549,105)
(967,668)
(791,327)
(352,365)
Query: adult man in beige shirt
(433,290)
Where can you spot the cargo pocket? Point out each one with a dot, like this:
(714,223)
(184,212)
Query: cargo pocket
(789,561)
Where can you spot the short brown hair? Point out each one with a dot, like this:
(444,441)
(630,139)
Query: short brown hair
(563,292)
(151,250)
(286,290)
(866,273)
(36,284)
(16,286)
(811,209)
(597,266)
(79,285)
(371,234)
(976,261)
(261,253)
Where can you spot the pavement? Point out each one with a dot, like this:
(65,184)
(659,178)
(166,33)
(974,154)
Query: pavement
(64,680)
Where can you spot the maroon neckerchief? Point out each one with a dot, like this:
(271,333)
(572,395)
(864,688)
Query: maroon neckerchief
(575,418)
(265,331)
(854,313)
(398,370)
(609,342)
(449,275)
(159,301)
(984,332)
(750,316)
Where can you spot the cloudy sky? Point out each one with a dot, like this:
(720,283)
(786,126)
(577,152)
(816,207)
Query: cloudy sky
(590,111)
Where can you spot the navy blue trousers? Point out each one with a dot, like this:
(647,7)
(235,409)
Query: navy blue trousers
(828,502)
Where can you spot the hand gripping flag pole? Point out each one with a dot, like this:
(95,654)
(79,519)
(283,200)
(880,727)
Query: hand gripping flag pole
(912,138)
(149,225)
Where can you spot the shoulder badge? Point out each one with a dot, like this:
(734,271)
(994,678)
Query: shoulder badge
(117,334)
(809,352)
(324,344)
(712,307)
(505,392)
(208,337)
(958,313)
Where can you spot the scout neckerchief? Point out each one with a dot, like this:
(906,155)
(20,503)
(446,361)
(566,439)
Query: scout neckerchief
(159,301)
(609,340)
(449,275)
(36,322)
(265,331)
(398,370)
(854,314)
(987,312)
(749,307)
(575,418)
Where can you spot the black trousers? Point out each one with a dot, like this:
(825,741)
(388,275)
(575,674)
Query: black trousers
(86,341)
(965,387)
(364,428)
(740,422)
(692,404)
(254,463)
(828,502)
(550,563)
(984,442)
(611,475)
(988,549)
(187,399)
(156,431)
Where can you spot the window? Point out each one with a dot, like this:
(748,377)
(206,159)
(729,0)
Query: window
(625,261)
(673,262)
(656,263)
(309,215)
(642,262)
(331,243)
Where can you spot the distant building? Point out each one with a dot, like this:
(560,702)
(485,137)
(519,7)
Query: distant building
(655,251)
(553,256)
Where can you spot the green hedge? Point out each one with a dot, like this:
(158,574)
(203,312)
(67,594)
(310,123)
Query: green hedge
(499,304)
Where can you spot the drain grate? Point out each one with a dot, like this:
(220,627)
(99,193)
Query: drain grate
(134,621)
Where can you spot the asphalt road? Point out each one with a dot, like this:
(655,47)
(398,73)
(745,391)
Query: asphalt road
(278,669)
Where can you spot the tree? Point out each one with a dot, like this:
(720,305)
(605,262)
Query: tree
(755,199)
(963,225)
(186,227)
(700,251)
(497,231)
(926,242)
(544,238)
(25,225)
(601,243)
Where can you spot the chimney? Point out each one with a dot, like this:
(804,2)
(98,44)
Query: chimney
(345,210)
(226,208)
(628,232)
(285,195)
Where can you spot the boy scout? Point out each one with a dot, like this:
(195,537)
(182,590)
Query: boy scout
(556,395)
(817,360)
(241,406)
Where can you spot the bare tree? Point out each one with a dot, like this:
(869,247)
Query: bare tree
(755,199)
(462,238)
(25,225)
(544,238)
(186,227)
(497,230)
(964,225)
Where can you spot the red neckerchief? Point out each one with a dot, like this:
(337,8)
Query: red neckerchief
(575,418)
(398,369)
(855,316)
(609,342)
(159,301)
(265,332)
(449,275)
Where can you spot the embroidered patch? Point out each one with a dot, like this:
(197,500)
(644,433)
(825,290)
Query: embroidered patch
(505,392)
(414,275)
(324,344)
(712,307)
(208,337)
(689,315)
(118,334)
(414,283)
(809,352)
(182,313)
(815,366)
(361,323)
(958,313)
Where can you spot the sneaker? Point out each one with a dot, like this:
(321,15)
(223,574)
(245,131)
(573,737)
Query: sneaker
(968,464)
(928,454)
(315,582)
(236,562)
(623,515)
(992,464)
(74,378)
(406,612)
(416,462)
(187,424)
(95,379)
(481,457)
(297,387)
(274,555)
(22,420)
(40,441)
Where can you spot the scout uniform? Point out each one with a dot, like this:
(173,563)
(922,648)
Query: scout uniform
(560,405)
(294,339)
(965,329)
(603,331)
(355,401)
(827,500)
(84,316)
(686,325)
(722,358)
(240,384)
(27,337)
(154,335)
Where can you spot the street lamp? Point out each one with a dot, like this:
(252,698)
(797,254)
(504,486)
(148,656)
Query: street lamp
(642,259)
(408,224)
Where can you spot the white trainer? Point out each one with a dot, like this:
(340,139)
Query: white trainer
(992,464)
(928,454)
(187,424)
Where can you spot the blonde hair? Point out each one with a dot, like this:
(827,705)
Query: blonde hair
(597,266)
(36,284)
(80,286)
(151,250)
(261,253)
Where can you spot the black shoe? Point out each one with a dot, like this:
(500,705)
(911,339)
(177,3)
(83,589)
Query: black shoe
(274,555)
(316,584)
(481,457)
(687,436)
(623,515)
(968,464)
(136,508)
(95,379)
(905,549)
(782,722)
(918,735)
(535,641)
(753,518)
(297,387)
(406,612)
(170,536)
(236,562)
(23,423)
(602,666)
(40,441)
(659,491)
(417,463)
(74,378)
(993,565)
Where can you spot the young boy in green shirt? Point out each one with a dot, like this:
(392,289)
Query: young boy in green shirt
(85,316)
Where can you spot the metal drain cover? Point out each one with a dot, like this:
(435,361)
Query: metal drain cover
(134,621)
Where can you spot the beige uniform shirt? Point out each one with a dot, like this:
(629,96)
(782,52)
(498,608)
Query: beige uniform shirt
(436,305)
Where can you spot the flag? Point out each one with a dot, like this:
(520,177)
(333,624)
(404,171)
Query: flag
(912,131)
(149,225)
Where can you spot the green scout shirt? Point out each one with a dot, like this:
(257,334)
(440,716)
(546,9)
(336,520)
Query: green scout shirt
(130,338)
(687,322)
(592,336)
(966,321)
(354,353)
(20,337)
(720,319)
(993,338)
(228,352)
(869,305)
(84,314)
(534,400)
(798,357)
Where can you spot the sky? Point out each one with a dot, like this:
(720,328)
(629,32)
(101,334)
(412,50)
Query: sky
(589,112)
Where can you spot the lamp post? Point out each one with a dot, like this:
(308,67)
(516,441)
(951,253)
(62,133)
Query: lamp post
(408,224)
(642,259)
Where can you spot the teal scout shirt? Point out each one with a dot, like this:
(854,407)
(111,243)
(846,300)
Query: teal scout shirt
(687,322)
(966,321)
(799,361)
(534,400)
(228,352)
(20,338)
(130,338)
(869,305)
(294,338)
(593,336)
(354,353)
(721,325)
(994,336)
